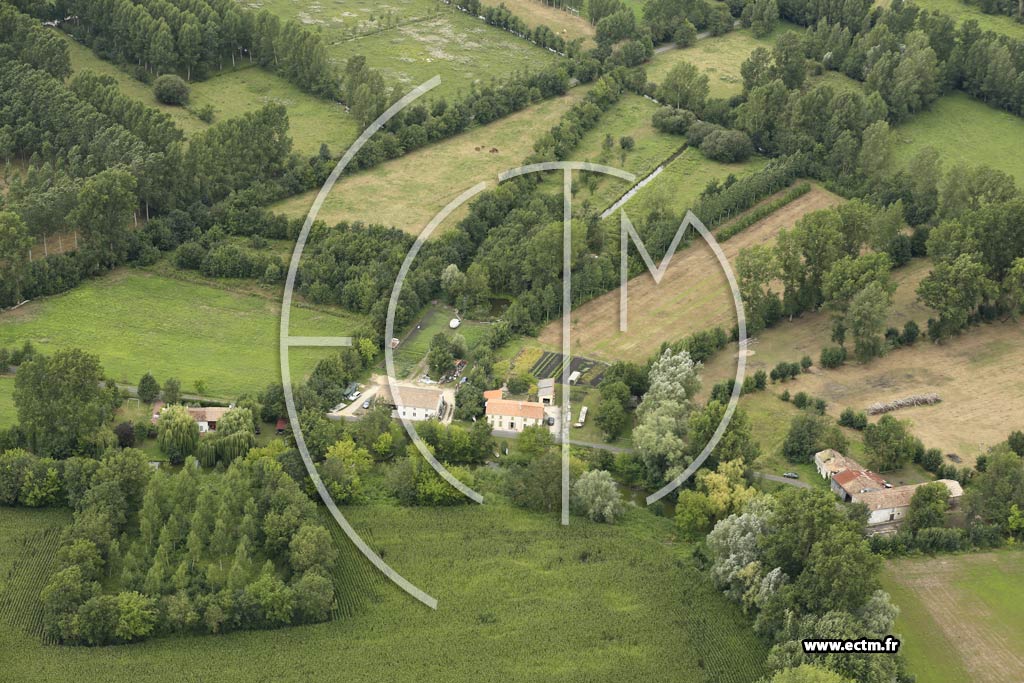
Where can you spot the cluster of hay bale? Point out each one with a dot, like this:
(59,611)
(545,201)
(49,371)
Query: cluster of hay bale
(908,402)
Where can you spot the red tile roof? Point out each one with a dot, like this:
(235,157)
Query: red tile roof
(524,409)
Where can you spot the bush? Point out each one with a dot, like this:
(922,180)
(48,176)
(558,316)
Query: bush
(910,333)
(205,113)
(806,363)
(125,433)
(853,419)
(672,120)
(801,400)
(785,395)
(832,357)
(699,131)
(171,89)
(727,146)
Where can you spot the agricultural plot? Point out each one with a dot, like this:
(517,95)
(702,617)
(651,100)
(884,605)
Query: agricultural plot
(678,187)
(83,58)
(960,617)
(629,118)
(423,39)
(553,365)
(720,57)
(29,541)
(8,415)
(976,374)
(409,191)
(138,322)
(960,11)
(536,13)
(518,596)
(312,121)
(964,130)
(693,295)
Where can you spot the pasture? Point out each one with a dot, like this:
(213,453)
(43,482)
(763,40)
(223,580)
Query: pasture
(422,39)
(960,617)
(965,130)
(720,57)
(83,58)
(630,117)
(8,414)
(536,13)
(679,186)
(138,322)
(976,373)
(693,295)
(312,121)
(407,192)
(960,11)
(519,597)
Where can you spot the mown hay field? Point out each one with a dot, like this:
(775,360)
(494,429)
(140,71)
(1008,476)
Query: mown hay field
(960,616)
(693,295)
(407,192)
(520,597)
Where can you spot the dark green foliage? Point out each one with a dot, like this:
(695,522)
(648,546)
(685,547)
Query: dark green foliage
(170,89)
(832,357)
(853,419)
(148,390)
(809,434)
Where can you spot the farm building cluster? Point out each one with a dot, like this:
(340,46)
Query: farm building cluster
(887,504)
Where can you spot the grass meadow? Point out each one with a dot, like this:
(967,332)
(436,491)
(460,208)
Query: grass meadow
(536,13)
(414,347)
(520,597)
(678,187)
(311,120)
(720,57)
(138,322)
(630,117)
(693,294)
(960,617)
(960,11)
(426,38)
(407,192)
(965,130)
(8,415)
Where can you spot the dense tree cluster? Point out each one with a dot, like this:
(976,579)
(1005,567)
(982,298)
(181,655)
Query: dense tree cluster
(244,550)
(800,564)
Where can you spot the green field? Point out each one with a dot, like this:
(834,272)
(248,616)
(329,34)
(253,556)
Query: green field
(430,39)
(629,117)
(138,322)
(415,345)
(964,130)
(407,192)
(520,598)
(311,120)
(960,11)
(678,187)
(960,616)
(8,415)
(720,57)
(82,58)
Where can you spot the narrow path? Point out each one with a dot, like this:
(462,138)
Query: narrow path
(783,480)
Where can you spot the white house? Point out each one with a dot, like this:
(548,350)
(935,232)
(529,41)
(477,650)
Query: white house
(513,416)
(889,506)
(415,403)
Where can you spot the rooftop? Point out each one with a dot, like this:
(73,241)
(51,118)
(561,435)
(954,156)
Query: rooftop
(524,409)
(212,414)
(834,462)
(900,496)
(494,394)
(859,481)
(412,397)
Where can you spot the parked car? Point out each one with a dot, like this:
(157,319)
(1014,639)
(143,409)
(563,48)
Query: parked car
(551,422)
(791,475)
(355,395)
(366,404)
